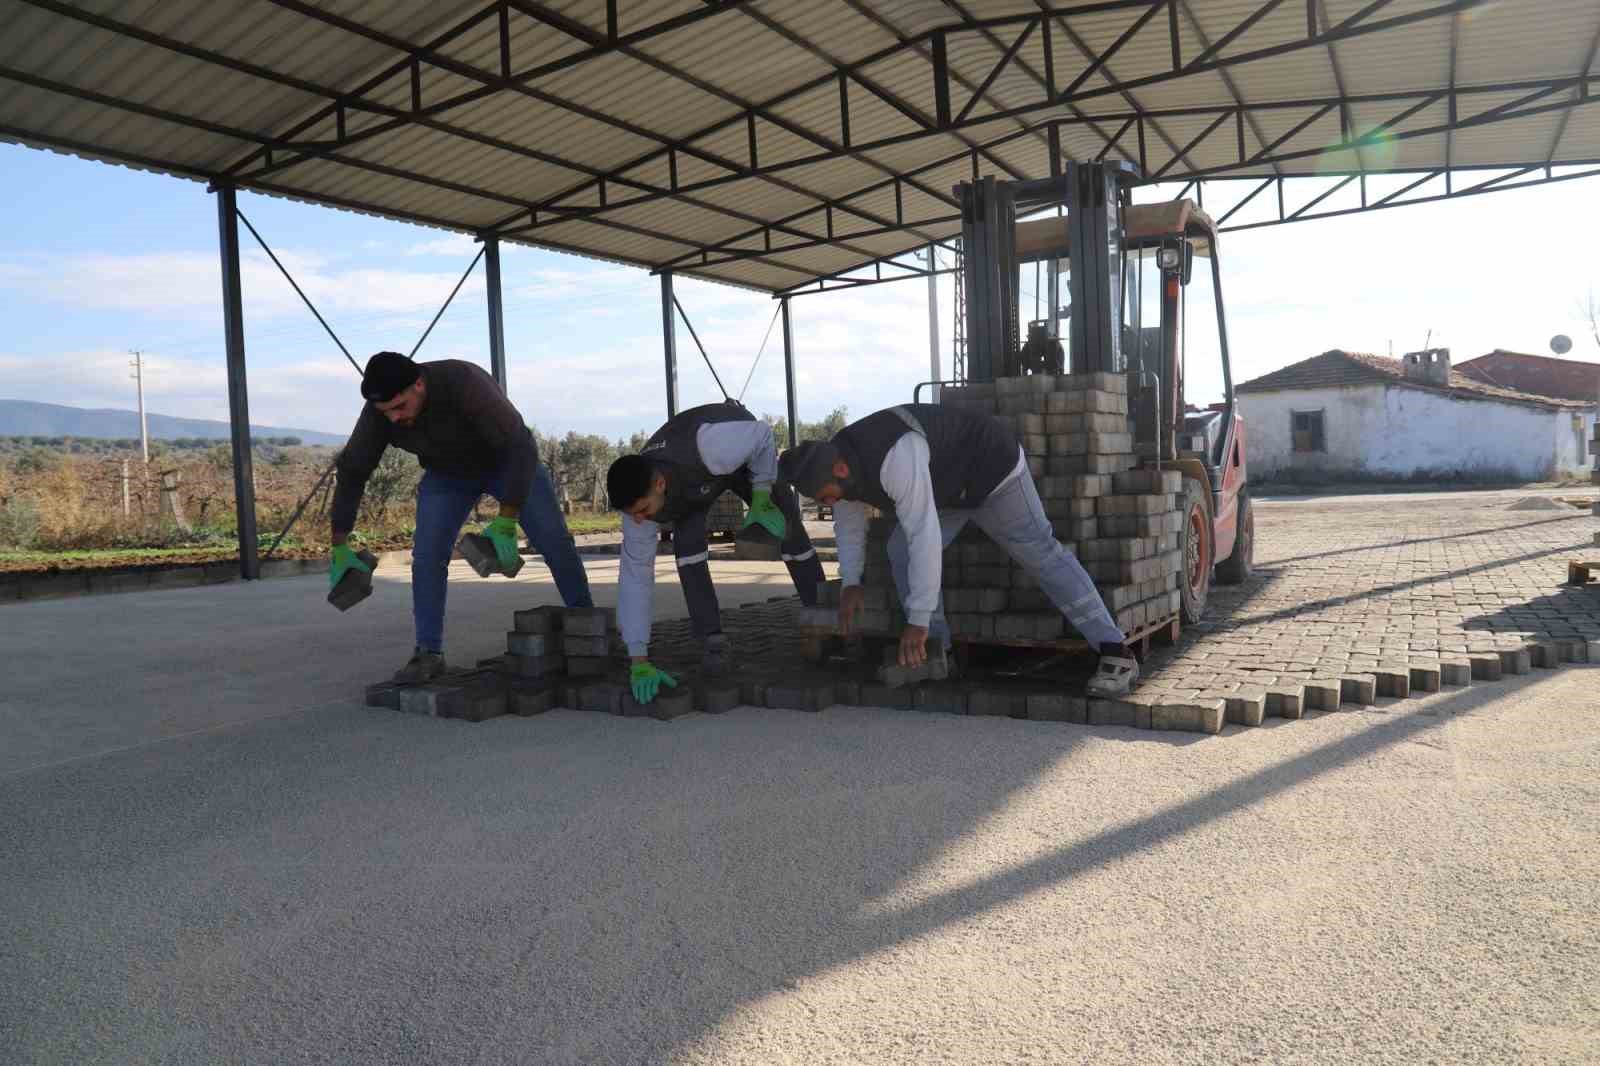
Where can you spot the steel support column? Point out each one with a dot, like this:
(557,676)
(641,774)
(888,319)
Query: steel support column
(669,341)
(933,320)
(497,321)
(788,373)
(244,482)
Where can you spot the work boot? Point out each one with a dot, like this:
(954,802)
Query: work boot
(714,660)
(424,666)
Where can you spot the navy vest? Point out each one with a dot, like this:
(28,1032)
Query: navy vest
(672,450)
(969,453)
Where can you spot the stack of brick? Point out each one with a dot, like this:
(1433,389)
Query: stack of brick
(726,515)
(1123,523)
(546,646)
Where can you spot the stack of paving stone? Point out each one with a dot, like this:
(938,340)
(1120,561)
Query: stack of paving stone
(547,646)
(1123,523)
(726,515)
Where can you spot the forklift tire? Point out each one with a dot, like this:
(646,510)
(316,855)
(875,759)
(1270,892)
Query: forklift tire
(1237,568)
(1199,551)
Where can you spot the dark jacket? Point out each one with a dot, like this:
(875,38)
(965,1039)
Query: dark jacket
(467,428)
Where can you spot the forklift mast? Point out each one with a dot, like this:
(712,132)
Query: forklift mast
(1094,194)
(1093,239)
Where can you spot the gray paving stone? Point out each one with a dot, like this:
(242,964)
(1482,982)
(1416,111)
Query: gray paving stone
(593,647)
(1287,701)
(940,699)
(1359,689)
(520,643)
(1322,695)
(1001,703)
(1393,681)
(542,620)
(1101,711)
(717,699)
(1543,655)
(1245,708)
(586,621)
(1056,707)
(1515,660)
(1425,677)
(527,702)
(1486,667)
(602,697)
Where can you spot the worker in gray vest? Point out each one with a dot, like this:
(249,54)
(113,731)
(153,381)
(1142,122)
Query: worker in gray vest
(699,454)
(936,468)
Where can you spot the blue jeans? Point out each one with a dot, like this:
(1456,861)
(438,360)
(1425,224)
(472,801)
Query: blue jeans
(443,504)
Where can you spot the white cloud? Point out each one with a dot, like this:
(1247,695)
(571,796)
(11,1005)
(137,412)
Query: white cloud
(188,285)
(556,282)
(453,244)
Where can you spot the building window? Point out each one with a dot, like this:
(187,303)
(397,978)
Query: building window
(1307,426)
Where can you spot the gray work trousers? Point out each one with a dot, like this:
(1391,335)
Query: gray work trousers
(1014,519)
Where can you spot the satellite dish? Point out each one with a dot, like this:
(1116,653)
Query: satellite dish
(1561,344)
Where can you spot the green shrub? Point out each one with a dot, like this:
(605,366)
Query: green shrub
(19,524)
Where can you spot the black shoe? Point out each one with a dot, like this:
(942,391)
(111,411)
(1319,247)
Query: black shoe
(714,660)
(424,666)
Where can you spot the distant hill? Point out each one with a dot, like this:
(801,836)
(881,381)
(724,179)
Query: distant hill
(24,418)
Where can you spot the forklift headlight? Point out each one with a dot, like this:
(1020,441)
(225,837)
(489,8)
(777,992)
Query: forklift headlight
(1167,258)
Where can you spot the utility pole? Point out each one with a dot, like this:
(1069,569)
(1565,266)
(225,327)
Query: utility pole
(144,430)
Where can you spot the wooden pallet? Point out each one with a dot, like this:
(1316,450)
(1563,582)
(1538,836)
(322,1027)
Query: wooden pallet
(1164,631)
(1578,573)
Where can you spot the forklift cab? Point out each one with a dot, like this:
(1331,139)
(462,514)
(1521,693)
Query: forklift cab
(1132,290)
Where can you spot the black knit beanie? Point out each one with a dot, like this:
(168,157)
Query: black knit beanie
(386,375)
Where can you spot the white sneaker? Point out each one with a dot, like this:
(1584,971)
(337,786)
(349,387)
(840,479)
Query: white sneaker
(1115,677)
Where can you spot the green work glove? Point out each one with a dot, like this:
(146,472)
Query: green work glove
(647,681)
(344,559)
(502,533)
(764,513)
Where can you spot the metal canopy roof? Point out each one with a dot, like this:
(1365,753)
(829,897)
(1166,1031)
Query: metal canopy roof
(770,143)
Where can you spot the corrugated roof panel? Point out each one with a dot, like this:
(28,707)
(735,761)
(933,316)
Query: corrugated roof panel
(697,225)
(1499,42)
(323,179)
(913,17)
(761,198)
(1401,147)
(738,55)
(533,44)
(612,242)
(1402,59)
(626,91)
(1506,142)
(1581,140)
(1146,51)
(1285,24)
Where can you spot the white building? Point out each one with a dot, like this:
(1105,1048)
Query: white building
(1346,416)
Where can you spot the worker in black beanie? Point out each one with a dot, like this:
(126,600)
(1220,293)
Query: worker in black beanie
(471,442)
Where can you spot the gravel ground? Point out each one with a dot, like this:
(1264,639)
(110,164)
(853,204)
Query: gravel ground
(212,856)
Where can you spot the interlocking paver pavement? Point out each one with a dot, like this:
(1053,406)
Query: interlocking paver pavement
(1354,600)
(1368,585)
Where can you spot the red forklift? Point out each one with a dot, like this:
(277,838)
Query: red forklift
(1131,273)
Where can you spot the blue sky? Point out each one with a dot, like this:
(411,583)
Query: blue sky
(98,259)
